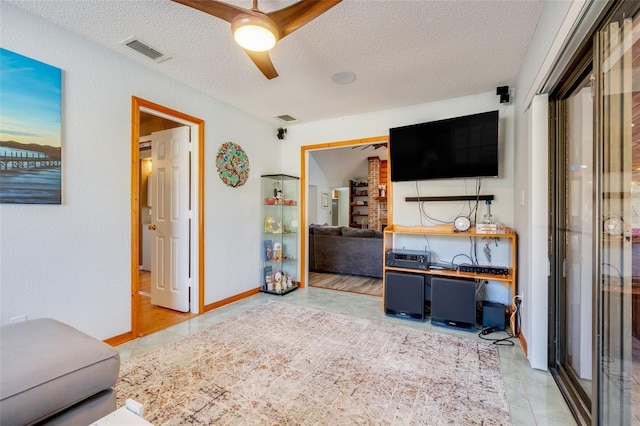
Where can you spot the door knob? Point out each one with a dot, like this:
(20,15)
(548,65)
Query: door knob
(152,227)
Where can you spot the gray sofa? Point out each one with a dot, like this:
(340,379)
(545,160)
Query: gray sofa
(53,374)
(344,250)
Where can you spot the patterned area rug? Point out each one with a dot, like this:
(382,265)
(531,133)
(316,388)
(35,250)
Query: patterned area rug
(280,364)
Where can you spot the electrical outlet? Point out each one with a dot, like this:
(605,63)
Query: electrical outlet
(19,318)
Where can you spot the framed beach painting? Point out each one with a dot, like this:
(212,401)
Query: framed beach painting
(30,131)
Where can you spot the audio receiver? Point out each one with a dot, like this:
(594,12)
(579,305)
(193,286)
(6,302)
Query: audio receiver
(410,259)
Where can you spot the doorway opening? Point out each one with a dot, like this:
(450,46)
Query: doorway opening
(147,118)
(318,197)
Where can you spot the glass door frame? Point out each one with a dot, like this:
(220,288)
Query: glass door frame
(581,68)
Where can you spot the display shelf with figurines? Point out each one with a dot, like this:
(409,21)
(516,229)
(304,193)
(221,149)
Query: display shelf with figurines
(279,234)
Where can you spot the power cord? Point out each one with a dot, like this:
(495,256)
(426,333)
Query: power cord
(474,240)
(517,300)
(502,341)
(478,187)
(481,289)
(461,254)
(423,212)
(473,250)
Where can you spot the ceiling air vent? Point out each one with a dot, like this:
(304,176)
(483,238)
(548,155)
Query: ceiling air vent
(286,118)
(145,49)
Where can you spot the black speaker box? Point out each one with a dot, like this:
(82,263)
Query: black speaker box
(453,303)
(494,315)
(404,295)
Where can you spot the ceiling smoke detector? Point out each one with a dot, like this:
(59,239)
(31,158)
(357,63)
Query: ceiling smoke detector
(145,49)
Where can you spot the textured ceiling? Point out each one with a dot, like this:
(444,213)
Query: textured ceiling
(403,52)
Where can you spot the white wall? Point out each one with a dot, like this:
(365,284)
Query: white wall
(72,261)
(317,178)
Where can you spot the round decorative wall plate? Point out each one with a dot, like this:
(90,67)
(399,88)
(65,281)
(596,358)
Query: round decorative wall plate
(232,164)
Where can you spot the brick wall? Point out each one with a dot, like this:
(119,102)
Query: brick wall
(377,174)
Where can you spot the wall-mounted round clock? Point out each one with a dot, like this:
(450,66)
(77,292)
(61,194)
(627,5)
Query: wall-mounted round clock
(232,164)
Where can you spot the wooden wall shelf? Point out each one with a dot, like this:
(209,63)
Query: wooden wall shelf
(510,281)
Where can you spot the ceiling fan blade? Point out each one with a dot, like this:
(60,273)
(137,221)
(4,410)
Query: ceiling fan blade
(263,62)
(215,8)
(291,18)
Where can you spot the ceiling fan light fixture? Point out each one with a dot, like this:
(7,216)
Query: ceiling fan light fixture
(255,33)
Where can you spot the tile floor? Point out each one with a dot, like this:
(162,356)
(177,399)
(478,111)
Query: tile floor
(533,396)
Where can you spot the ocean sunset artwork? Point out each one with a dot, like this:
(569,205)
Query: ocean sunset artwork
(30,131)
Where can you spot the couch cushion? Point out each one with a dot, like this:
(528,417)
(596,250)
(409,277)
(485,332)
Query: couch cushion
(328,230)
(355,232)
(48,366)
(348,255)
(86,412)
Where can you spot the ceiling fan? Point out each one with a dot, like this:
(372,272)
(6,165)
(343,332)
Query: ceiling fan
(249,25)
(373,145)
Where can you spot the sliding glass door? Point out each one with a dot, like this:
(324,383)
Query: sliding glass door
(572,356)
(618,113)
(595,236)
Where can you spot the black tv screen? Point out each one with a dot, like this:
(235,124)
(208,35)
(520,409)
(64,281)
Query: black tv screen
(460,147)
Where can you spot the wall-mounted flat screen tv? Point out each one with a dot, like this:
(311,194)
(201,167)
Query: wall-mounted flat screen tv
(460,147)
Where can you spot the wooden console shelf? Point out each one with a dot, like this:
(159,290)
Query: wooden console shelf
(448,231)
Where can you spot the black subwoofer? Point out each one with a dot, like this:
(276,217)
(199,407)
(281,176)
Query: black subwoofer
(453,303)
(404,295)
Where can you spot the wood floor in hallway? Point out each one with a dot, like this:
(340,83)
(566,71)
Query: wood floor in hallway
(154,318)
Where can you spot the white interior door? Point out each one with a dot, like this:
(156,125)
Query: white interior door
(170,280)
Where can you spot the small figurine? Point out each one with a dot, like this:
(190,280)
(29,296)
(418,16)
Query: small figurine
(269,282)
(277,252)
(277,192)
(272,226)
(278,279)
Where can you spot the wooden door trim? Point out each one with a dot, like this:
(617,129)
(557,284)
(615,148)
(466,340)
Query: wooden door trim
(136,104)
(303,190)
